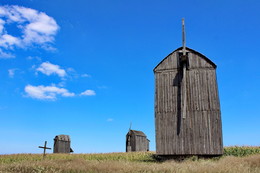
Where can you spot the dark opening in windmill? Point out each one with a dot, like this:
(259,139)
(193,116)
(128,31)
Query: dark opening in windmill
(136,141)
(187,108)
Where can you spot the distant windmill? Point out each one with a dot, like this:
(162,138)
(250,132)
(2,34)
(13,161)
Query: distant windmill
(62,144)
(136,141)
(187,108)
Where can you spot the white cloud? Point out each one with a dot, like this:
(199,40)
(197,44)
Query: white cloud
(46,92)
(62,84)
(102,87)
(85,75)
(110,119)
(34,58)
(5,55)
(49,68)
(11,72)
(88,93)
(71,70)
(8,41)
(2,22)
(37,28)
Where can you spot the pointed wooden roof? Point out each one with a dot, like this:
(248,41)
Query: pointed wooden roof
(189,50)
(135,132)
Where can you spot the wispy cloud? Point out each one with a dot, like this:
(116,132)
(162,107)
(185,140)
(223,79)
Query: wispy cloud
(37,29)
(5,55)
(49,68)
(85,75)
(110,119)
(46,92)
(34,58)
(102,87)
(88,93)
(11,72)
(8,41)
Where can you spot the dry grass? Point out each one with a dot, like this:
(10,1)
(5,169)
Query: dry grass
(124,162)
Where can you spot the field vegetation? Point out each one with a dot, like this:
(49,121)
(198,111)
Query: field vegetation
(234,160)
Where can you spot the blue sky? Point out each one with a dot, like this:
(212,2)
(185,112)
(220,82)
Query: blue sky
(84,68)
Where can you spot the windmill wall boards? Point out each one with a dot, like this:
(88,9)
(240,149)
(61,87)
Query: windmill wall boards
(62,144)
(136,141)
(187,108)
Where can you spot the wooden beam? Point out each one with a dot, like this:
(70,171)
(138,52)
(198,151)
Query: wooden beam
(44,148)
(183,38)
(184,93)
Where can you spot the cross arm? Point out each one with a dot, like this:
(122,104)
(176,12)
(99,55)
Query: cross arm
(45,147)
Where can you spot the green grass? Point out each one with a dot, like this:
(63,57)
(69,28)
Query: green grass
(235,159)
(132,157)
(240,151)
(237,151)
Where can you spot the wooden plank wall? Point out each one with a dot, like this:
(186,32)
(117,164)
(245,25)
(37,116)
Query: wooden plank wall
(62,147)
(132,142)
(141,143)
(200,133)
(138,143)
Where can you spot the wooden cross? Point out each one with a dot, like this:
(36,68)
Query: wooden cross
(44,148)
(183,38)
(184,59)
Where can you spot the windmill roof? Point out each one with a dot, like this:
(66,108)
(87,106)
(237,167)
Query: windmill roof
(193,51)
(62,137)
(138,133)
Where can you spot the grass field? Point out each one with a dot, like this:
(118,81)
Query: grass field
(235,159)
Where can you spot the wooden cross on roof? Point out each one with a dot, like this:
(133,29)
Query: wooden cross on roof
(183,38)
(44,148)
(184,67)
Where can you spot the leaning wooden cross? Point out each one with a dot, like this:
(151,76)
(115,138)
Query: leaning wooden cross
(44,148)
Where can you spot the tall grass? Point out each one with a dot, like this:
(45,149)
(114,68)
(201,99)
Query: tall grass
(235,159)
(131,157)
(241,151)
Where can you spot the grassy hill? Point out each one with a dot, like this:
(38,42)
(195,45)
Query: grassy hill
(235,159)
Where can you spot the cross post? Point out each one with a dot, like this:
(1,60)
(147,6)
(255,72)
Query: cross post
(183,38)
(44,148)
(184,59)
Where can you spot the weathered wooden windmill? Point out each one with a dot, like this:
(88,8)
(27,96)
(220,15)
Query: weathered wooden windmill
(187,108)
(62,144)
(136,141)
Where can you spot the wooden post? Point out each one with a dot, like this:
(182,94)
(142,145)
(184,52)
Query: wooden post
(184,93)
(130,125)
(184,61)
(44,148)
(183,38)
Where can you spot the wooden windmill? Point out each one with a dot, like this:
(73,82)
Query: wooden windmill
(136,141)
(187,108)
(62,144)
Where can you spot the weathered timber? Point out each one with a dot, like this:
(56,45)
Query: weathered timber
(136,141)
(44,148)
(62,144)
(198,131)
